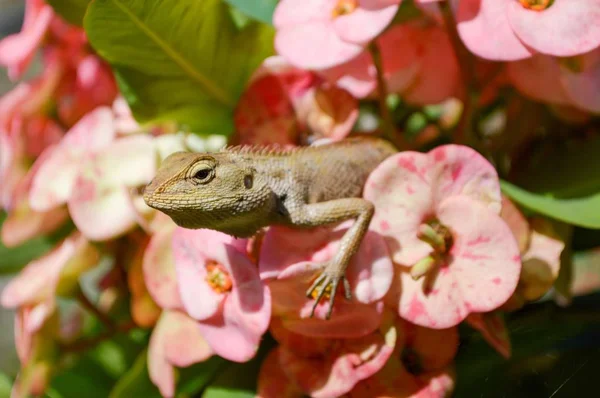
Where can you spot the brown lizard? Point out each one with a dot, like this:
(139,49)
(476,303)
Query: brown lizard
(240,190)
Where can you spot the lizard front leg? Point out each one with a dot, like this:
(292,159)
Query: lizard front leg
(323,213)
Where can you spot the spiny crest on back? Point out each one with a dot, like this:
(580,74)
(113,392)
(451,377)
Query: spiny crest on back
(263,150)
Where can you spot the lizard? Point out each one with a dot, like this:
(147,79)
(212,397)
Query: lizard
(240,190)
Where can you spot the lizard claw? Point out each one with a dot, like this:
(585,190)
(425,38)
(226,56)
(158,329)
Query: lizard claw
(322,284)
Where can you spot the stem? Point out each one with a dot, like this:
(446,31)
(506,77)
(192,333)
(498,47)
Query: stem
(464,132)
(86,344)
(88,305)
(382,93)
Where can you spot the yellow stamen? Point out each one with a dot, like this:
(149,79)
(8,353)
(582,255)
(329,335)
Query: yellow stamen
(344,7)
(217,277)
(536,5)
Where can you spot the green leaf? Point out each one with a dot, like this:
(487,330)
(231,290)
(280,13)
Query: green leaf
(261,10)
(184,61)
(136,382)
(85,375)
(194,379)
(582,211)
(5,385)
(71,10)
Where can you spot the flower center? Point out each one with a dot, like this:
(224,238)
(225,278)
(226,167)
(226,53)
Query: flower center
(344,7)
(536,5)
(217,277)
(440,238)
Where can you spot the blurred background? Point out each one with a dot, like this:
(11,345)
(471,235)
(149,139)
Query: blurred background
(11,18)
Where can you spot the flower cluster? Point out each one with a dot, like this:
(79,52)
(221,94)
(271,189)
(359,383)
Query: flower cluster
(444,247)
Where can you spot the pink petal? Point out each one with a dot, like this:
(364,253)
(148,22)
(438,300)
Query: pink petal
(236,332)
(17,51)
(401,56)
(582,86)
(483,26)
(337,371)
(494,331)
(286,251)
(567,27)
(460,170)
(434,348)
(517,223)
(367,21)
(159,270)
(400,189)
(39,279)
(264,114)
(539,78)
(176,341)
(53,182)
(482,274)
(357,76)
(272,380)
(297,45)
(290,12)
(438,76)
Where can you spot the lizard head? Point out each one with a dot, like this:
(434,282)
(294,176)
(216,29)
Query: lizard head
(210,190)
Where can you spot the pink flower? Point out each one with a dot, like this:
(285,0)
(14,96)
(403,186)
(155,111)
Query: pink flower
(17,51)
(101,204)
(325,367)
(569,81)
(413,57)
(439,214)
(54,180)
(176,341)
(284,104)
(508,30)
(420,366)
(35,288)
(319,34)
(219,287)
(290,260)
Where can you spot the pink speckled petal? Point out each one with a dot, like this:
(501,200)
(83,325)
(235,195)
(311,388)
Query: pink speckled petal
(582,87)
(159,269)
(367,21)
(291,12)
(236,332)
(175,341)
(481,276)
(566,28)
(484,28)
(539,77)
(460,170)
(400,189)
(297,45)
(53,182)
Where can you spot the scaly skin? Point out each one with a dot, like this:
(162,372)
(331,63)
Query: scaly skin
(240,190)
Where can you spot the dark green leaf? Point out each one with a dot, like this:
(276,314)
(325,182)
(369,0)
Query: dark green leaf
(86,375)
(582,211)
(71,10)
(184,61)
(261,10)
(194,379)
(136,382)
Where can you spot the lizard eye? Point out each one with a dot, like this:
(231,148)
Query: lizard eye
(202,173)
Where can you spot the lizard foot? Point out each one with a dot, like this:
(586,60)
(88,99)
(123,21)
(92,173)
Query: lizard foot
(327,283)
